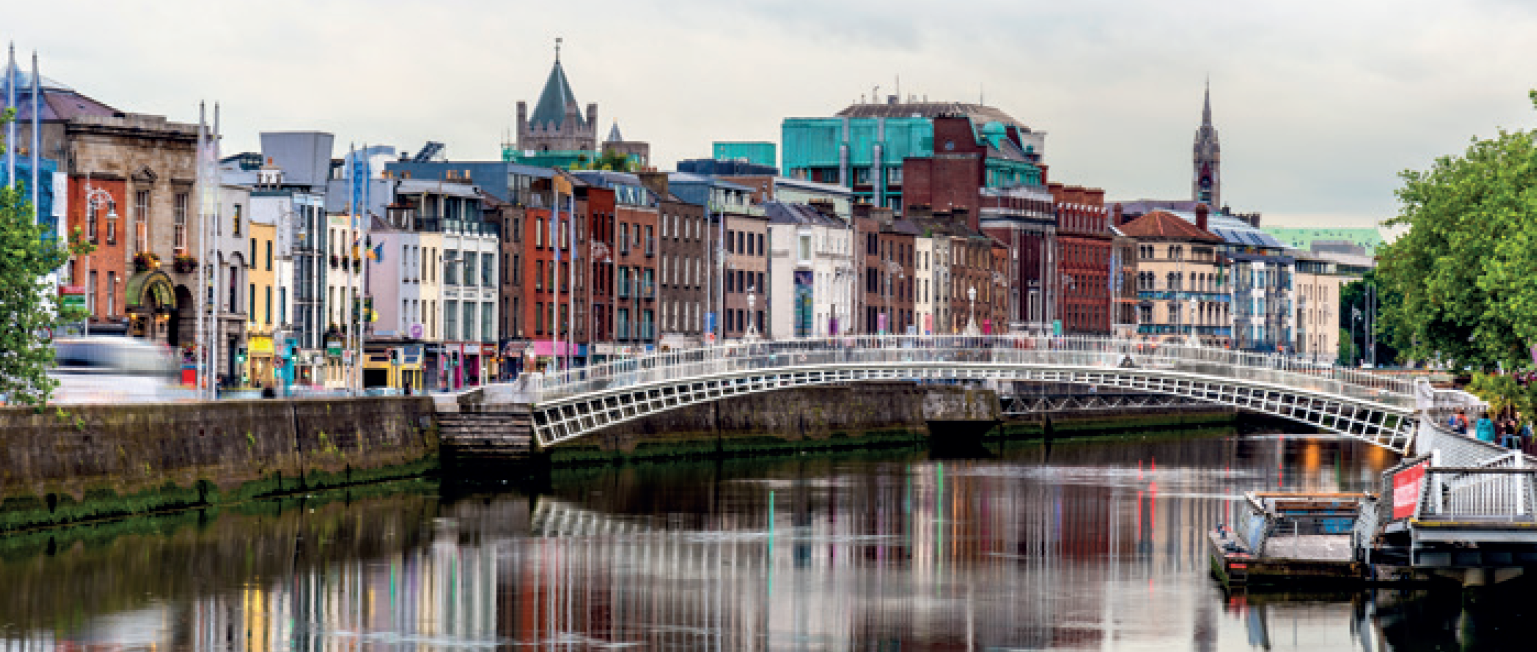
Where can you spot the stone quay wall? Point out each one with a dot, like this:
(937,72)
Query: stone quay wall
(76,463)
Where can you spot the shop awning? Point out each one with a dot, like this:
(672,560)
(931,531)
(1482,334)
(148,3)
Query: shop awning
(547,348)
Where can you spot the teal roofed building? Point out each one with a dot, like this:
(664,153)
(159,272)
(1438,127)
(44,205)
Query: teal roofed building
(557,134)
(863,146)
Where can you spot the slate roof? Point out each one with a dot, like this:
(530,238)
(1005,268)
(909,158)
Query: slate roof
(553,100)
(1163,224)
(788,213)
(979,113)
(59,102)
(613,134)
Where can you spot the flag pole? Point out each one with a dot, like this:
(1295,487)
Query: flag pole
(201,352)
(10,127)
(36,143)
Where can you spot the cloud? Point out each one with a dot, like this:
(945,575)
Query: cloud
(1318,105)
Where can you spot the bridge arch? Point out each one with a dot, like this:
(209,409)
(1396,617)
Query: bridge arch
(1381,411)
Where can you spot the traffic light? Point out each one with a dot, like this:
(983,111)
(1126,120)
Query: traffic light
(453,360)
(394,356)
(240,355)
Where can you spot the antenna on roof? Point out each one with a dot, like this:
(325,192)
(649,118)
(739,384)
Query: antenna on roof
(899,87)
(557,49)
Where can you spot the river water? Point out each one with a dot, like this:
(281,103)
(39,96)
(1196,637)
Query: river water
(1079,546)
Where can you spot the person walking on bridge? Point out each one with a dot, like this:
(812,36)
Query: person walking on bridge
(1459,423)
(1485,429)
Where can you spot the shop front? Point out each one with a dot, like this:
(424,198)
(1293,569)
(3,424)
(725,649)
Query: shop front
(548,356)
(260,370)
(393,366)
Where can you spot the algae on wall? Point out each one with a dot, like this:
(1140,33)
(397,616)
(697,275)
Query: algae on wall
(88,462)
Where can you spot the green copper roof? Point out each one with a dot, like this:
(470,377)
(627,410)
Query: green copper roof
(553,101)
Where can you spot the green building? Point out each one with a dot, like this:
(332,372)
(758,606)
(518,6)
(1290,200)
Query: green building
(863,146)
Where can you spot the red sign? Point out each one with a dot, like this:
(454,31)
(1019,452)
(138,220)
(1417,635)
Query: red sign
(1407,486)
(71,289)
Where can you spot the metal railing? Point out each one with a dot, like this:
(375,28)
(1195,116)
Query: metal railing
(1485,492)
(1088,353)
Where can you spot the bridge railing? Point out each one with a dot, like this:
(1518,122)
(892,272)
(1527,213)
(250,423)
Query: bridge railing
(899,350)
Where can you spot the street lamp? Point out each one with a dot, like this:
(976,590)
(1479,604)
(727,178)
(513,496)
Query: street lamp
(971,296)
(891,268)
(752,322)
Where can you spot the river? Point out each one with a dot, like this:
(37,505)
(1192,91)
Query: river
(1075,546)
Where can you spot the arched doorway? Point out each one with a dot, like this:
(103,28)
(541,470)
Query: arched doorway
(150,300)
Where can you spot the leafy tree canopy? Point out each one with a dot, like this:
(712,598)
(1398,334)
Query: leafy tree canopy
(27,254)
(1467,267)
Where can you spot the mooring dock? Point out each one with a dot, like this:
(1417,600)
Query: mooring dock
(1279,537)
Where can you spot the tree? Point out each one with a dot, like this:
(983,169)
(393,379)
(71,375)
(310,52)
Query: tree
(28,253)
(1466,266)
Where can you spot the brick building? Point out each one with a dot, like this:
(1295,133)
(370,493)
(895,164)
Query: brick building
(683,254)
(1084,242)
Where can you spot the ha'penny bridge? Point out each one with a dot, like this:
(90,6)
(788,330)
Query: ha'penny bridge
(1473,503)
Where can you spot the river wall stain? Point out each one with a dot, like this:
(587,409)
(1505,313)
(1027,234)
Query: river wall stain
(68,464)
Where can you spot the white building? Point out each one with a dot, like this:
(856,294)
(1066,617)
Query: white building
(811,272)
(923,285)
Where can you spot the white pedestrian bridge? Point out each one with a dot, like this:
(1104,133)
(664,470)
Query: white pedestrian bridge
(1381,409)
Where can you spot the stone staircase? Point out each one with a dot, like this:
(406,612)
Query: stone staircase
(504,436)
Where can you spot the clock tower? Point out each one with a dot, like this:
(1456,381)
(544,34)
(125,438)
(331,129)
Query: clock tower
(1206,183)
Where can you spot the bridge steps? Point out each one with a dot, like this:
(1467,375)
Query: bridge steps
(505,436)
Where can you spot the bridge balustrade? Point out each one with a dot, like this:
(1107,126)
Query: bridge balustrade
(996,350)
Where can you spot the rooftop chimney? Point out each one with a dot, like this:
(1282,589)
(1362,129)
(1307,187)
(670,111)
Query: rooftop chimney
(1115,216)
(1200,216)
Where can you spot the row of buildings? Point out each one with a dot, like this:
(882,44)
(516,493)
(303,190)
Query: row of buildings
(381,267)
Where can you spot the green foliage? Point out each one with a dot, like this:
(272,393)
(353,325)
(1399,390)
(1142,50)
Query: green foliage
(1503,393)
(1466,267)
(27,255)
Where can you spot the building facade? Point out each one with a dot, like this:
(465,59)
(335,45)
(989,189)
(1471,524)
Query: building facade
(1180,278)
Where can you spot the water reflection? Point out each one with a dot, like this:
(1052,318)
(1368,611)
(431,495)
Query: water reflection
(1084,546)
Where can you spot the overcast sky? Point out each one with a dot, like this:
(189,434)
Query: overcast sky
(1318,104)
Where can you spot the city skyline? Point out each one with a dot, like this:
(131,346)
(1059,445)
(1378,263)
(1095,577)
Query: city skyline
(1318,110)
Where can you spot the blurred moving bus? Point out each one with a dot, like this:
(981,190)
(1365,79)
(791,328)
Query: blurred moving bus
(111,370)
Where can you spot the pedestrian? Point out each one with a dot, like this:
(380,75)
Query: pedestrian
(1459,423)
(408,388)
(1485,429)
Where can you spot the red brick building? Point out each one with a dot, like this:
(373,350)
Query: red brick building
(1084,243)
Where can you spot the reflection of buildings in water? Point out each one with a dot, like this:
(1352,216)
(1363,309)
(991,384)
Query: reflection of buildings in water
(1076,551)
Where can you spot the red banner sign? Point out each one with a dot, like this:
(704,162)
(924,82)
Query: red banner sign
(1407,486)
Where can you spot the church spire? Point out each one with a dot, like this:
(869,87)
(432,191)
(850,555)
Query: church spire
(1205,112)
(1206,181)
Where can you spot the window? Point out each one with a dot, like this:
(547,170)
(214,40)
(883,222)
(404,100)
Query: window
(236,219)
(487,270)
(253,253)
(140,218)
(251,314)
(180,210)
(539,275)
(267,313)
(269,255)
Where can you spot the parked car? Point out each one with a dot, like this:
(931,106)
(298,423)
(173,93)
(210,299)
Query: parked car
(111,370)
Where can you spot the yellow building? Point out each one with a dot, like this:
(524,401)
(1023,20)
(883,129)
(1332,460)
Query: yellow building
(1181,290)
(263,311)
(1318,298)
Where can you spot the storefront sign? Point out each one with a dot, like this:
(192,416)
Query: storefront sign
(1407,487)
(261,346)
(334,348)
